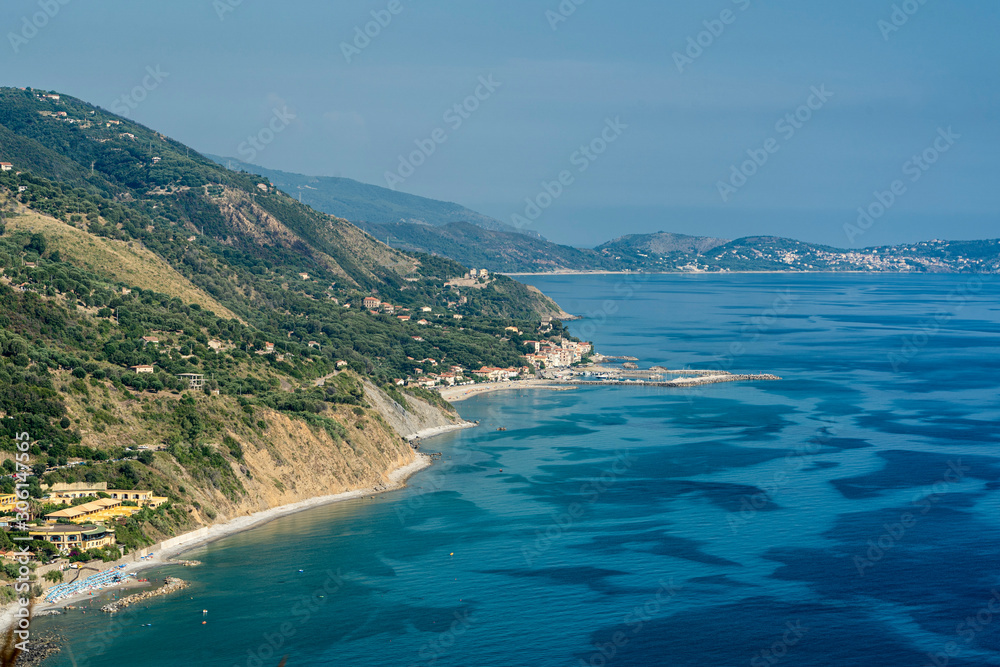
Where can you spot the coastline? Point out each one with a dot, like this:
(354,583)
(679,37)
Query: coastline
(456,394)
(166,551)
(439,430)
(569,272)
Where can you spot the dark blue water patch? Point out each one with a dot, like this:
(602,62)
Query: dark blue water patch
(658,542)
(594,578)
(711,414)
(552,430)
(721,580)
(825,443)
(584,453)
(941,429)
(599,419)
(906,469)
(759,631)
(930,563)
(698,458)
(821,465)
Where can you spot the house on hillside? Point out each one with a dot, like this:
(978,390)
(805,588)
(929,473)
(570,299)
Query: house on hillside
(150,340)
(371,302)
(6,166)
(194,380)
(143,368)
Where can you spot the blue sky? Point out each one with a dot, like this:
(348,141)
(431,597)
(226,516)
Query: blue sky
(886,91)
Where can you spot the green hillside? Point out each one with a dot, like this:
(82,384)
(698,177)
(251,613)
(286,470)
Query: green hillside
(121,248)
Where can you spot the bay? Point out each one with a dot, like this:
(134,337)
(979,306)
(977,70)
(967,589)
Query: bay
(846,514)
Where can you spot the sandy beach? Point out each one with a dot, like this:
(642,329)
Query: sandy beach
(164,552)
(456,394)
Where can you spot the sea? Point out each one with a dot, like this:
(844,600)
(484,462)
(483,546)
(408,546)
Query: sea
(847,514)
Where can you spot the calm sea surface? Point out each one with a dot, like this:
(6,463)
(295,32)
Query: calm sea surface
(846,515)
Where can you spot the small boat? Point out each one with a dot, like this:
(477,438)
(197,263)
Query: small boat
(502,428)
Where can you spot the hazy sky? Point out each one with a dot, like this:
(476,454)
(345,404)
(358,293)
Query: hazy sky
(682,93)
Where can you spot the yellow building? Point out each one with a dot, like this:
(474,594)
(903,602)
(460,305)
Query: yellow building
(64,493)
(98,511)
(67,538)
(7,502)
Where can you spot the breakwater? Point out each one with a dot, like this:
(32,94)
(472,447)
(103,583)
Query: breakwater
(171,585)
(679,382)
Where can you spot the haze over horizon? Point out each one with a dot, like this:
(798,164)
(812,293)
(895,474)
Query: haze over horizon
(884,85)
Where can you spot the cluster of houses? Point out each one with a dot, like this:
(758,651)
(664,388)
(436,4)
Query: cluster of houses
(473,274)
(454,375)
(494,374)
(84,526)
(553,355)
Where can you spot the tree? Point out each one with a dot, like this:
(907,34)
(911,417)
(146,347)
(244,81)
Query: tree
(37,243)
(55,576)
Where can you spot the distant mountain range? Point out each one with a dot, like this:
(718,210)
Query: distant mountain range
(415,223)
(366,205)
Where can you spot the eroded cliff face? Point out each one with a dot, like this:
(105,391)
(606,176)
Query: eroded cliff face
(415,417)
(251,461)
(294,461)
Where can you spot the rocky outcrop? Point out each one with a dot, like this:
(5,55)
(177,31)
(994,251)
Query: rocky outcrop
(170,585)
(416,418)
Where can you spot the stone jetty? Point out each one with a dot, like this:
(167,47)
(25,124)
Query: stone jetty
(171,585)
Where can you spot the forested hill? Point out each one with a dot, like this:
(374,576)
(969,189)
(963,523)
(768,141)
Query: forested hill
(128,260)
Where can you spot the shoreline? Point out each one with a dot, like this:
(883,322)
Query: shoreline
(458,394)
(166,551)
(687,273)
(439,430)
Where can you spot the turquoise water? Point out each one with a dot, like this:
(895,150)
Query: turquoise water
(846,515)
